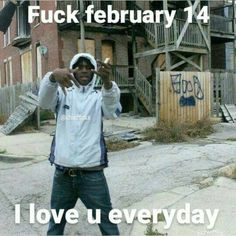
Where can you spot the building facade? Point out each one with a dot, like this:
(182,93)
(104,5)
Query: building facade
(28,51)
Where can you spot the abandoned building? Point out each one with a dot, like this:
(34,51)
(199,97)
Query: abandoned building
(140,53)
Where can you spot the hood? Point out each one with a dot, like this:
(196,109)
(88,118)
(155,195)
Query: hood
(91,59)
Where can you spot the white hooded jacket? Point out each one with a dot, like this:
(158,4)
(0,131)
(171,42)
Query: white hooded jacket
(79,140)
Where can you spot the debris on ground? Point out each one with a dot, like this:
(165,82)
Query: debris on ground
(228,171)
(28,105)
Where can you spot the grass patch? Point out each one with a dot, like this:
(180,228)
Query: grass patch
(231,139)
(46,115)
(3,119)
(3,151)
(115,144)
(26,128)
(151,231)
(161,217)
(167,132)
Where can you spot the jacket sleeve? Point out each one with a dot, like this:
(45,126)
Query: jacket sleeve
(111,106)
(48,93)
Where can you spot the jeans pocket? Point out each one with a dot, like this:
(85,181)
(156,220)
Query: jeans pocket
(94,176)
(58,173)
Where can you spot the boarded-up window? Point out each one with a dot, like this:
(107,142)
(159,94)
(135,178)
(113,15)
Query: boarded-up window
(89,46)
(108,50)
(7,37)
(38,63)
(8,72)
(26,67)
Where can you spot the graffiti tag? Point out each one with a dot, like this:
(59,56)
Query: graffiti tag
(182,86)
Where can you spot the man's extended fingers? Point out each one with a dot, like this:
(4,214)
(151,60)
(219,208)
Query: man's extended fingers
(73,70)
(106,65)
(72,77)
(67,82)
(75,81)
(63,89)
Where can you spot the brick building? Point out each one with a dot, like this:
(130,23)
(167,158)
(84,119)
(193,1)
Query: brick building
(20,58)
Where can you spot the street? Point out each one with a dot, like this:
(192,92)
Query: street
(138,178)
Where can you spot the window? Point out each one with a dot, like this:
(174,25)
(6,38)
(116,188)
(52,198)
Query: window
(7,37)
(8,72)
(26,67)
(23,27)
(89,46)
(108,50)
(38,63)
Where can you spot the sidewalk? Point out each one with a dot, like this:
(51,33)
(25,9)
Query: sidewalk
(38,143)
(221,195)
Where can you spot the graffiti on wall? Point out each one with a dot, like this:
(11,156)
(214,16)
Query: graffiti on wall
(184,87)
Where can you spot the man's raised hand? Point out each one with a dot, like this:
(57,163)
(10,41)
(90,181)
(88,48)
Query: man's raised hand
(64,78)
(104,72)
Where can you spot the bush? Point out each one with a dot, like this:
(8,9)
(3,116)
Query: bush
(167,132)
(3,119)
(115,144)
(46,115)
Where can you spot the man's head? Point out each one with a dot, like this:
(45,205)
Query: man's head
(84,72)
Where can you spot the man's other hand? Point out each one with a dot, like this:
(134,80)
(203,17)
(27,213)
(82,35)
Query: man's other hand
(105,72)
(64,78)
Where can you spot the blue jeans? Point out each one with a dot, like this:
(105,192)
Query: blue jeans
(91,187)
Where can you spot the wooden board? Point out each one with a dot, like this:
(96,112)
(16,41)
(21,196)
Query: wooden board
(229,112)
(26,108)
(184,96)
(226,114)
(232,111)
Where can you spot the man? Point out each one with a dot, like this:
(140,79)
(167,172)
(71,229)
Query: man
(6,14)
(78,150)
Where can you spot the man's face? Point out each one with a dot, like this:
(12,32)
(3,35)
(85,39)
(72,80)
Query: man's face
(84,72)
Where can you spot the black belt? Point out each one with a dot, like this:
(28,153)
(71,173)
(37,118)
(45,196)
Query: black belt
(72,172)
